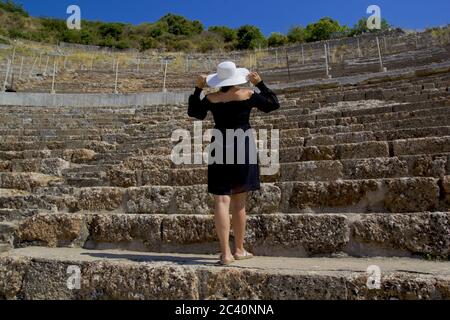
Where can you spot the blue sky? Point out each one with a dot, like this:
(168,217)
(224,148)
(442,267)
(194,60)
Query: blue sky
(269,15)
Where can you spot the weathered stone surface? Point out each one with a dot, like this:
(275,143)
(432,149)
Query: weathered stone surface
(53,166)
(316,153)
(426,165)
(421,146)
(97,199)
(149,199)
(192,229)
(374,168)
(299,235)
(312,171)
(446,189)
(371,149)
(184,177)
(79,155)
(422,233)
(125,228)
(122,178)
(330,196)
(26,181)
(412,195)
(265,201)
(54,230)
(12,272)
(192,277)
(192,200)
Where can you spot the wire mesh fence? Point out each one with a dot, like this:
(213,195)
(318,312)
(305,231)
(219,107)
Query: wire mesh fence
(34,67)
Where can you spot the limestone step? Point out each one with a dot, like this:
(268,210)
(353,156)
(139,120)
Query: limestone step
(300,235)
(413,194)
(113,274)
(17,215)
(138,171)
(27,181)
(7,230)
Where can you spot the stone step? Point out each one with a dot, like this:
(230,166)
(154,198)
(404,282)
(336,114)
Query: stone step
(366,114)
(368,195)
(113,274)
(299,235)
(97,146)
(137,171)
(7,230)
(27,181)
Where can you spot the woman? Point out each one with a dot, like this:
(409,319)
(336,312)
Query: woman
(230,182)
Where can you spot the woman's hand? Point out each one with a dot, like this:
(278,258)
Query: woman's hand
(201,81)
(254,78)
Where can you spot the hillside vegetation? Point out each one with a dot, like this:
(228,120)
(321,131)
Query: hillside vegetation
(171,32)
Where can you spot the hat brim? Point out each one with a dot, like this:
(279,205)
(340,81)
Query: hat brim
(240,77)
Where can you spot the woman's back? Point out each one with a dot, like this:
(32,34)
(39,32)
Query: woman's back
(232,109)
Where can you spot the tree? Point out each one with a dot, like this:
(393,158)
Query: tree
(296,34)
(361,27)
(277,39)
(322,29)
(250,37)
(179,25)
(228,34)
(113,30)
(11,6)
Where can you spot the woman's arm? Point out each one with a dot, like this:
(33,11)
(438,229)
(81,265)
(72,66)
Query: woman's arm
(197,107)
(267,100)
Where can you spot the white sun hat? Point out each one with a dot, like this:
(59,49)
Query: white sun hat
(227,75)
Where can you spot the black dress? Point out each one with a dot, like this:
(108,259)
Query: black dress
(229,177)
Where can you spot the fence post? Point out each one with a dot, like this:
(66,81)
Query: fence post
(40,60)
(326,60)
(46,66)
(8,66)
(287,64)
(21,68)
(54,76)
(12,59)
(32,67)
(379,55)
(117,77)
(303,55)
(165,77)
(359,49)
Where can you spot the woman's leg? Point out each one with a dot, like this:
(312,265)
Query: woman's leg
(222,221)
(238,202)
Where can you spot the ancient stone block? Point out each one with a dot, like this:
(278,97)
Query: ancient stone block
(372,149)
(156,199)
(54,230)
(421,146)
(411,194)
(408,233)
(312,171)
(298,235)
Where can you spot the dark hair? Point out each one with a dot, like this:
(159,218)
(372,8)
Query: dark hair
(226,88)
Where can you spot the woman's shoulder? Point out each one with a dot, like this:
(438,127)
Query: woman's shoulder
(243,94)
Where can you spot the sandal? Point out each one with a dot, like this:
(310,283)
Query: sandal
(225,262)
(247,255)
